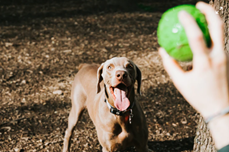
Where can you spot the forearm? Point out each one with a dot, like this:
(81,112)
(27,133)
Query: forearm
(219,128)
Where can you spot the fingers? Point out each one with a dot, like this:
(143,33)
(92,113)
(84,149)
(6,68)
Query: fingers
(194,34)
(215,24)
(170,65)
(195,37)
(216,30)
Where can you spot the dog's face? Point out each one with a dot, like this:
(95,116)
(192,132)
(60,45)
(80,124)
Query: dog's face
(119,75)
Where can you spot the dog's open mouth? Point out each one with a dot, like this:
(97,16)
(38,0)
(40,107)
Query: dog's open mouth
(120,95)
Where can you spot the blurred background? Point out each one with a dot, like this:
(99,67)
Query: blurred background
(42,44)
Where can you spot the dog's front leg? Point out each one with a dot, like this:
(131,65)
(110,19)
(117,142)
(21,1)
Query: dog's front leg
(73,118)
(105,150)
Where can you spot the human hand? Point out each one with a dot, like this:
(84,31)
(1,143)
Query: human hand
(205,87)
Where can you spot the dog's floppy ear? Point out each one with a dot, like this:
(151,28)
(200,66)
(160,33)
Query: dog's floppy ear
(139,79)
(99,78)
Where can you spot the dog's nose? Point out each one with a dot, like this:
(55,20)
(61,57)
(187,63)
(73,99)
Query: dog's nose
(120,75)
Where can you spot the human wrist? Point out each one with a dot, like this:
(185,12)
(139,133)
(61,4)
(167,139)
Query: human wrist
(214,110)
(219,128)
(218,114)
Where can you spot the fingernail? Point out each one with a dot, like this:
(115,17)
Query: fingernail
(200,4)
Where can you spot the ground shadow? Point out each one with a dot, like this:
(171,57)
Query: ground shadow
(172,145)
(27,11)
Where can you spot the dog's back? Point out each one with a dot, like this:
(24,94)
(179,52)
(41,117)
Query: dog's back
(83,65)
(85,79)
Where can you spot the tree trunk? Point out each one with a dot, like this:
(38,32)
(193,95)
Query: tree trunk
(222,8)
(203,140)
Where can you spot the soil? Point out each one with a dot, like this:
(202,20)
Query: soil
(42,44)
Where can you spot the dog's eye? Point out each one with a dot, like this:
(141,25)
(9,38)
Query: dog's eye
(129,66)
(109,67)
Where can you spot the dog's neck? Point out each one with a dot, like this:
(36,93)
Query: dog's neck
(118,112)
(110,103)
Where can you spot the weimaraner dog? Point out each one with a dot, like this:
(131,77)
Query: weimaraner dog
(107,92)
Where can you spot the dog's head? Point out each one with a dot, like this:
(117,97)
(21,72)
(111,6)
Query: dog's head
(119,75)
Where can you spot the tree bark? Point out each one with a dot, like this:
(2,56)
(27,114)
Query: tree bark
(203,140)
(222,8)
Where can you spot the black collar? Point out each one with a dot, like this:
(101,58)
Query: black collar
(118,112)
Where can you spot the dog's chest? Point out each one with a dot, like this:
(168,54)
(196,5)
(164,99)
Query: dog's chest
(120,137)
(122,131)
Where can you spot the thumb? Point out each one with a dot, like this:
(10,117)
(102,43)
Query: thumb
(171,66)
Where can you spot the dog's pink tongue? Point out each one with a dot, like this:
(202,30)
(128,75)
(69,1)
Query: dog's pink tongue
(121,101)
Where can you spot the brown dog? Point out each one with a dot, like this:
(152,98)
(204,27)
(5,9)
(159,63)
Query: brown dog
(108,94)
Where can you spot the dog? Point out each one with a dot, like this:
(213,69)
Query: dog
(107,92)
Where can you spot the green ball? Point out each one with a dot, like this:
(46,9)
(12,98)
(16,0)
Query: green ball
(172,36)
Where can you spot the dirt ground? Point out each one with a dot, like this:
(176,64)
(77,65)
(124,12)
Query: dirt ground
(42,44)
